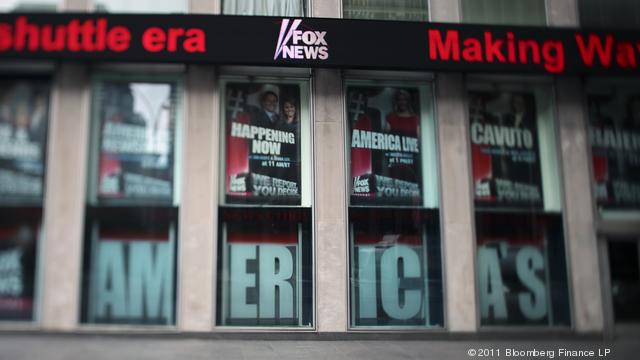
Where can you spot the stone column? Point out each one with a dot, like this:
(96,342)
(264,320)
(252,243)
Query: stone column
(64,201)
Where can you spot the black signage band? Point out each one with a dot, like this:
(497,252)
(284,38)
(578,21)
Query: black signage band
(317,42)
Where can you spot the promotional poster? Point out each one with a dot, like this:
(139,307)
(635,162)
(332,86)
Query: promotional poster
(17,270)
(384,124)
(615,148)
(132,277)
(504,149)
(262,138)
(24,112)
(137,122)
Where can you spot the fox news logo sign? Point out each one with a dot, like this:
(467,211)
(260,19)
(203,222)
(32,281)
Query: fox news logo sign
(300,44)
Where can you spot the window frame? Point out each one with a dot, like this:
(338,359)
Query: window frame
(307,10)
(38,71)
(425,82)
(129,73)
(93,7)
(277,75)
(509,23)
(554,128)
(427,3)
(609,225)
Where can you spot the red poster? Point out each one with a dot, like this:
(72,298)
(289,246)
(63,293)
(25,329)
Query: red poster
(262,139)
(504,149)
(385,145)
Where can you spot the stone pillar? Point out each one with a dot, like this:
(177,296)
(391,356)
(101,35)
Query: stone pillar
(199,202)
(563,13)
(330,202)
(581,239)
(457,208)
(64,201)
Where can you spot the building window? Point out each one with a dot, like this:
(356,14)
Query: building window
(409,10)
(24,118)
(394,238)
(624,268)
(30,5)
(614,133)
(264,7)
(521,265)
(265,267)
(132,208)
(141,6)
(506,12)
(609,14)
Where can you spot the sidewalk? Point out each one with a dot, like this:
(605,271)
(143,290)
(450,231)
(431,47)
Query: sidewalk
(98,347)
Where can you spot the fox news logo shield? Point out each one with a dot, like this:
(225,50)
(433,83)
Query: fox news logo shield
(300,44)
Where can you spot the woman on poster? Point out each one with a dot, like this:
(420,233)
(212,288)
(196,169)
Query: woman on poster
(403,121)
(289,123)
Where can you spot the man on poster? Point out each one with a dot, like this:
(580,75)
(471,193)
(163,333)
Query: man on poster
(266,116)
(506,164)
(518,165)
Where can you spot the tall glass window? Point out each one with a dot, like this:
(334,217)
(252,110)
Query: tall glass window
(506,12)
(410,10)
(24,118)
(521,265)
(30,5)
(264,7)
(609,14)
(132,205)
(265,267)
(394,228)
(141,6)
(614,134)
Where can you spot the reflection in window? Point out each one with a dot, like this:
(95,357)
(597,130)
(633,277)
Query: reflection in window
(23,127)
(520,267)
(625,279)
(265,249)
(30,5)
(141,6)
(395,269)
(132,266)
(265,269)
(264,7)
(396,277)
(410,10)
(24,113)
(131,218)
(610,13)
(137,126)
(614,133)
(506,12)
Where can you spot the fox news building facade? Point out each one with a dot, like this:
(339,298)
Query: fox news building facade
(329,167)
